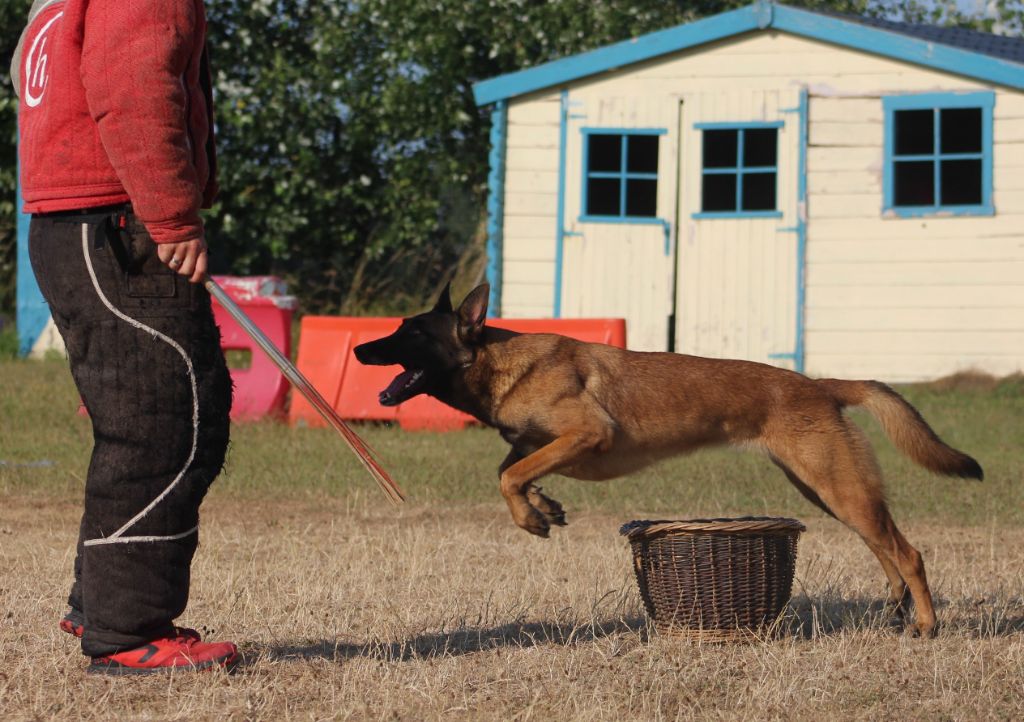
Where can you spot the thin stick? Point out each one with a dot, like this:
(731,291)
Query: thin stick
(361,450)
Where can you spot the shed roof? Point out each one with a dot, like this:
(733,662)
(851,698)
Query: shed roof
(996,46)
(984,56)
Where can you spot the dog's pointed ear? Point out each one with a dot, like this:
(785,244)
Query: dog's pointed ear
(444,301)
(473,313)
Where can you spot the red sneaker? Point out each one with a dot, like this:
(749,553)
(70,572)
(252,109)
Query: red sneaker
(164,655)
(74,624)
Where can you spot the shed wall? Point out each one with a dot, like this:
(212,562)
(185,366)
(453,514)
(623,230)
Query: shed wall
(909,299)
(531,199)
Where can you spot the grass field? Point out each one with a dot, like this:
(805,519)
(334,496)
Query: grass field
(347,609)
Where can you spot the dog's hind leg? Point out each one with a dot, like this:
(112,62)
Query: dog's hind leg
(837,465)
(898,597)
(804,490)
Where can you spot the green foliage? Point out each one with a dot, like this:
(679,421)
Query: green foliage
(1003,17)
(8,341)
(12,19)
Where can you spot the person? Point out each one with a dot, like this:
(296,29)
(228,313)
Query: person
(117,158)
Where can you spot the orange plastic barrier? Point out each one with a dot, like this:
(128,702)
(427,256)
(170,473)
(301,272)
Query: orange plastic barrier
(261,389)
(326,359)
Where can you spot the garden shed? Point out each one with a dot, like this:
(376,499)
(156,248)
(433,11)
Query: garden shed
(839,195)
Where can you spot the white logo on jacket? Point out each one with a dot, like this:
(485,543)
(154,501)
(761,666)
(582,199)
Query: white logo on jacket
(36,73)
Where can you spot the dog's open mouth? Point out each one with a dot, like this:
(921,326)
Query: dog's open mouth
(406,385)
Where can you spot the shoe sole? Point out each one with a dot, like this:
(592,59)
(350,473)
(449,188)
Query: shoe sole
(120,670)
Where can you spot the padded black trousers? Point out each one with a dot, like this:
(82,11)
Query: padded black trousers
(145,355)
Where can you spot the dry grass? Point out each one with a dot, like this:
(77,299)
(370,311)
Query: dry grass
(453,613)
(444,609)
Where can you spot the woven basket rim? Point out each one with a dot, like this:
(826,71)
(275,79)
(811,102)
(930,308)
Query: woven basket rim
(740,525)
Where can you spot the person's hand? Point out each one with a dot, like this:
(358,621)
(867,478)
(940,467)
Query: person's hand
(187,258)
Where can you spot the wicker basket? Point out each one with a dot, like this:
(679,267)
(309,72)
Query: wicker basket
(714,579)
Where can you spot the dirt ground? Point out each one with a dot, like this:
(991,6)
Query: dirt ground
(344,611)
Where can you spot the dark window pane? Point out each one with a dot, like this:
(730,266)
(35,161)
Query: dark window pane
(642,198)
(605,153)
(720,148)
(914,183)
(603,197)
(759,147)
(960,130)
(642,153)
(915,132)
(960,183)
(759,191)
(719,192)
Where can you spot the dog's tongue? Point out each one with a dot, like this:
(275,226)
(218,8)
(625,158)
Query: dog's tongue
(398,390)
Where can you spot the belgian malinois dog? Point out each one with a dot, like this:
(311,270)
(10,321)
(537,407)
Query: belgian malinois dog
(591,411)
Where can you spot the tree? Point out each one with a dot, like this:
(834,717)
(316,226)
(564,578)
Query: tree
(12,18)
(1002,17)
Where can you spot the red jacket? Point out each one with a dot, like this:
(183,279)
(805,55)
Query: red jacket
(115,106)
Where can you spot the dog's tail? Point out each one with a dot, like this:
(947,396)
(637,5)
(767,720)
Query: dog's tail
(904,426)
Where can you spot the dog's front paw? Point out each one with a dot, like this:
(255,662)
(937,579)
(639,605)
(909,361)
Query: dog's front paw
(534,522)
(551,509)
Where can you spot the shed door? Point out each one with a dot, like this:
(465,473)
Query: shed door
(619,196)
(739,225)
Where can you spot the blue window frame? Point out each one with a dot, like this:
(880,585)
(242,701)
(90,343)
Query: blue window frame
(938,154)
(620,175)
(739,170)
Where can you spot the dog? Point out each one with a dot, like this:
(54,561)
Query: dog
(594,412)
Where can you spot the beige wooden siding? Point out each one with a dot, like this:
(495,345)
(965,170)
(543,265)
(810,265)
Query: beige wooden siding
(897,299)
(909,299)
(531,198)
